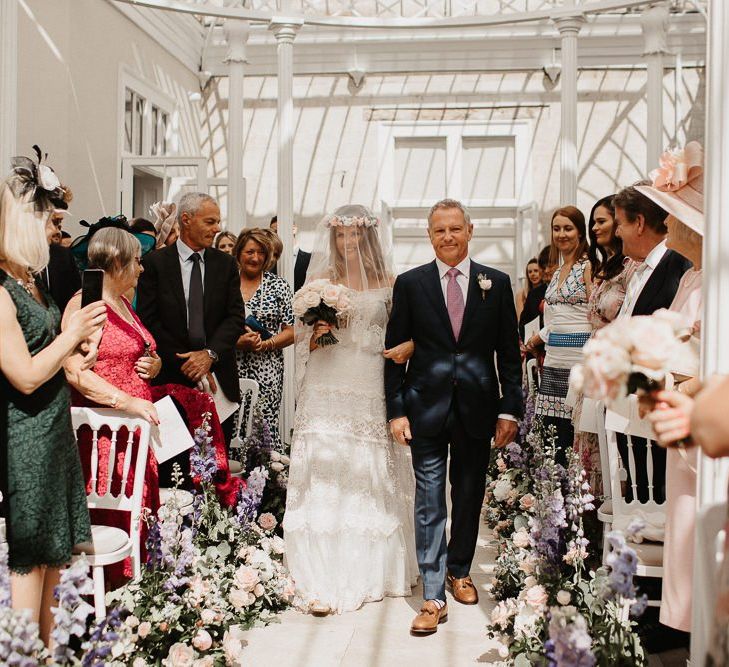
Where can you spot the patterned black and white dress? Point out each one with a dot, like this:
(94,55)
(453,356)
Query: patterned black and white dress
(566,330)
(271,306)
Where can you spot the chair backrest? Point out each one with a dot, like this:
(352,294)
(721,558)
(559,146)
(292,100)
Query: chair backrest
(115,420)
(629,423)
(247,386)
(599,409)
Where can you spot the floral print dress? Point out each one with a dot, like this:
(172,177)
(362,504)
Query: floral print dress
(271,306)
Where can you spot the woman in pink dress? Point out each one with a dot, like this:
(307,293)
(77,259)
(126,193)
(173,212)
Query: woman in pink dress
(680,192)
(126,363)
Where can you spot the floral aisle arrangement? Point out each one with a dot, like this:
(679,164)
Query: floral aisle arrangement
(552,608)
(322,300)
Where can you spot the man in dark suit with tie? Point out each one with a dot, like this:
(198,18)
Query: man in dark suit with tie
(462,319)
(640,223)
(301,258)
(189,298)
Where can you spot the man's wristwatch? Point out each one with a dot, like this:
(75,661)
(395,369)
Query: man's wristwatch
(213,355)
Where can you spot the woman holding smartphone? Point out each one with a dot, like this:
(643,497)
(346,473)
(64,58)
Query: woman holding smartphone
(43,487)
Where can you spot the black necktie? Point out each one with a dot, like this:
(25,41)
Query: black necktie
(196,323)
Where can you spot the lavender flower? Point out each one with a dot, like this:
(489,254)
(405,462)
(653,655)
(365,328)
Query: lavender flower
(622,562)
(249,499)
(569,644)
(203,463)
(514,455)
(19,641)
(5,600)
(154,545)
(102,639)
(72,612)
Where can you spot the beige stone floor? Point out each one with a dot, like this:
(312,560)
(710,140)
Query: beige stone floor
(377,635)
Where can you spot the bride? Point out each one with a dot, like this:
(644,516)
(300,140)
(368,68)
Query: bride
(349,511)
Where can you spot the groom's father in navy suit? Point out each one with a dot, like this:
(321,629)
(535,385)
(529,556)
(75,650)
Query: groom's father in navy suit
(462,319)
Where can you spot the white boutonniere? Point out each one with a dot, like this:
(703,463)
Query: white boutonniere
(484,283)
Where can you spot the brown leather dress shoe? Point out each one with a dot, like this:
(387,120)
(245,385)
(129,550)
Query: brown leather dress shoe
(463,589)
(426,622)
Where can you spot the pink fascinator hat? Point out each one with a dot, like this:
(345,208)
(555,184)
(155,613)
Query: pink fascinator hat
(678,185)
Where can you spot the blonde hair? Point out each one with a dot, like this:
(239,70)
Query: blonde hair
(113,250)
(276,247)
(22,230)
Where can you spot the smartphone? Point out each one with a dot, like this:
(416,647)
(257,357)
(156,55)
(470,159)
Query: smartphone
(92,286)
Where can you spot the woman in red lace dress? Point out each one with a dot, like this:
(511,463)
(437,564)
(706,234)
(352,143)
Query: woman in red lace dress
(126,363)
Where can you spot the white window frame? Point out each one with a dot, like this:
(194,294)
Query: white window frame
(153,96)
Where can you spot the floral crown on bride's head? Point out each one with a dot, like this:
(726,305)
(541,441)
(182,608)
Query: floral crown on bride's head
(352,221)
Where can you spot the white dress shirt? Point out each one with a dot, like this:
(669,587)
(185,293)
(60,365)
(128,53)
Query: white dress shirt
(640,278)
(463,278)
(185,253)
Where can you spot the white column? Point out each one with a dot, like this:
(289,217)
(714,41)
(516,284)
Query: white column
(654,22)
(285,31)
(236,35)
(8,84)
(569,27)
(712,478)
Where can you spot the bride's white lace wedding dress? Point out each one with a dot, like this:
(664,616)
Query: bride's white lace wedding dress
(349,511)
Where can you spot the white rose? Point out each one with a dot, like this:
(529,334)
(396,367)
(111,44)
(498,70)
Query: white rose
(536,596)
(501,614)
(277,466)
(240,598)
(564,597)
(202,640)
(520,538)
(145,627)
(259,590)
(246,578)
(208,616)
(525,622)
(527,566)
(501,490)
(277,544)
(180,655)
(330,295)
(139,662)
(275,456)
(311,299)
(233,648)
(132,621)
(529,582)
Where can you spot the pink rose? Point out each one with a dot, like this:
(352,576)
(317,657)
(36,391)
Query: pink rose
(343,302)
(202,640)
(145,627)
(259,590)
(536,597)
(500,465)
(246,578)
(267,521)
(526,502)
(180,655)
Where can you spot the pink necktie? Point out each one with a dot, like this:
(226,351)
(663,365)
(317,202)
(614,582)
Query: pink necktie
(454,301)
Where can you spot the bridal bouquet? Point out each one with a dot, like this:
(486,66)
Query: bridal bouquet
(629,355)
(322,300)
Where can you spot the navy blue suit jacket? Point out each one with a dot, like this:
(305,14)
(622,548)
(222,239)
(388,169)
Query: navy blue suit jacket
(443,368)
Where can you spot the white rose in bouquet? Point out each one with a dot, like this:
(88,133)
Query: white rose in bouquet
(654,340)
(330,295)
(311,299)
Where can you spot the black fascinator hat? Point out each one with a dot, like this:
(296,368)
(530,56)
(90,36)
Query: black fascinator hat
(80,245)
(36,181)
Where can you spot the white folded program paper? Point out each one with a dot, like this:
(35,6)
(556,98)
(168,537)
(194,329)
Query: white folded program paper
(223,406)
(171,437)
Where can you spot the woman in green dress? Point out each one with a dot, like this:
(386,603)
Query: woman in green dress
(44,497)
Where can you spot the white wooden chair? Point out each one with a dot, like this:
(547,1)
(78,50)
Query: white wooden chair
(247,386)
(593,421)
(109,544)
(710,522)
(650,554)
(532,376)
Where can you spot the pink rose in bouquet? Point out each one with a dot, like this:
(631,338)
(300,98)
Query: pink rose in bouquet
(325,301)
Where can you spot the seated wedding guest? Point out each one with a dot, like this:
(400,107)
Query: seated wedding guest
(225,242)
(681,194)
(143,226)
(165,223)
(534,302)
(610,276)
(44,502)
(269,322)
(189,300)
(533,280)
(121,379)
(66,239)
(566,328)
(642,229)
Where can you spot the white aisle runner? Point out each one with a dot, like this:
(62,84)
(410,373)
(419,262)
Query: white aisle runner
(378,634)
